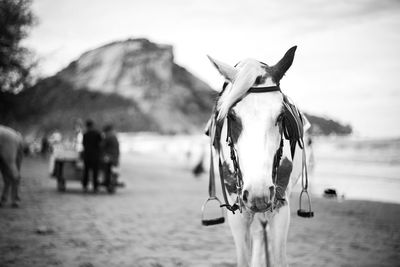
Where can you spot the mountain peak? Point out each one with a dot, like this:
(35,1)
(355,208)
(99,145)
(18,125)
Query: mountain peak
(144,73)
(132,44)
(122,67)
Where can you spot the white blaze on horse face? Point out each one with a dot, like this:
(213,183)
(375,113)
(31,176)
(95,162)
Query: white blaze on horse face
(259,140)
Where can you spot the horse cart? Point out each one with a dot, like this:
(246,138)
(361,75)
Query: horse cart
(67,165)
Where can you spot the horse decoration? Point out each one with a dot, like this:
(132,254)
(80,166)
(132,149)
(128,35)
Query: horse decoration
(11,151)
(256,135)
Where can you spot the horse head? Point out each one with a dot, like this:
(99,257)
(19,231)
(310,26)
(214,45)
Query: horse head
(254,127)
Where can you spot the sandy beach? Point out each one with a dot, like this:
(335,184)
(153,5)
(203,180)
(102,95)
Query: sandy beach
(155,221)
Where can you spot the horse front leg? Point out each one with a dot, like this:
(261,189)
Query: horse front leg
(278,230)
(240,228)
(259,255)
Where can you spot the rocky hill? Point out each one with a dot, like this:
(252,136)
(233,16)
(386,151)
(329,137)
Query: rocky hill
(134,84)
(145,73)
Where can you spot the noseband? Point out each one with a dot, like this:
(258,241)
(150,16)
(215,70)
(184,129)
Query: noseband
(291,128)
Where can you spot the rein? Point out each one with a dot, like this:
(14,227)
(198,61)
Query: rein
(291,127)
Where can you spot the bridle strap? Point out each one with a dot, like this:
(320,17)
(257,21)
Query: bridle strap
(277,160)
(265,89)
(230,207)
(233,155)
(237,171)
(292,130)
(211,185)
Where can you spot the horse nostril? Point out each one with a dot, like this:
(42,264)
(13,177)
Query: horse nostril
(272,192)
(245,195)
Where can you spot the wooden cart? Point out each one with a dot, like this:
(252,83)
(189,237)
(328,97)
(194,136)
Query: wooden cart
(68,166)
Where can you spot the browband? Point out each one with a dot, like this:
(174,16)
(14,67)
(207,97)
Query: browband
(260,89)
(265,89)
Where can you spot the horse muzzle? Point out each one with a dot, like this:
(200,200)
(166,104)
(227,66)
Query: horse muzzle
(259,202)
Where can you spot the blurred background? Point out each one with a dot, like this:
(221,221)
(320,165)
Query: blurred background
(142,66)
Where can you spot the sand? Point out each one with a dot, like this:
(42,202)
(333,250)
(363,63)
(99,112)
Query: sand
(155,221)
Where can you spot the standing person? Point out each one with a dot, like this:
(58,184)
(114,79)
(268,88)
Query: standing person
(91,155)
(110,149)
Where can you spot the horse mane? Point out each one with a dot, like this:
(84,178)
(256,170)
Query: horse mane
(248,72)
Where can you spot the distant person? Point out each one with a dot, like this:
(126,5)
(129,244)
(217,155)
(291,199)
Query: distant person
(55,140)
(110,150)
(310,154)
(91,155)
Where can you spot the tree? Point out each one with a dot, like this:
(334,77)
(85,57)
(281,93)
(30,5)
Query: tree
(16,18)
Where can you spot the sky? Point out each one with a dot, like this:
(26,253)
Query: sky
(347,63)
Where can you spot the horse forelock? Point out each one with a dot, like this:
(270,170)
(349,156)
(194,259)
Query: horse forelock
(250,73)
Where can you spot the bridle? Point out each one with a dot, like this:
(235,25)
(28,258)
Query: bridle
(291,128)
(238,204)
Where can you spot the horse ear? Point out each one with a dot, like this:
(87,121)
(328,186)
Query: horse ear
(284,64)
(227,71)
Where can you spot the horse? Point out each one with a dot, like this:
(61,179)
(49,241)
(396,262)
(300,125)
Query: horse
(11,151)
(258,167)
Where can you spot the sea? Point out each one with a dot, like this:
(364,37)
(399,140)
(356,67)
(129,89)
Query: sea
(356,168)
